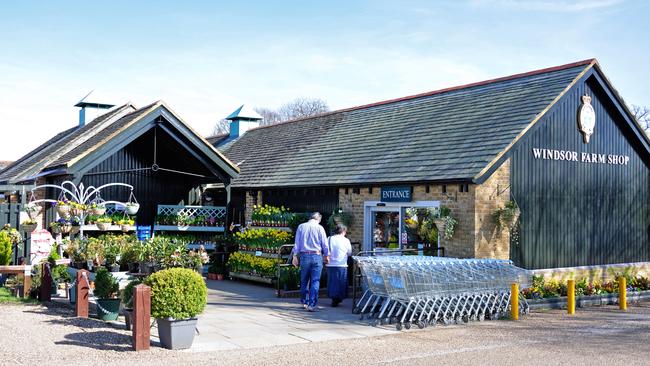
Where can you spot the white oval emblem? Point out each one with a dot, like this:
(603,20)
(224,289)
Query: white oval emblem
(586,118)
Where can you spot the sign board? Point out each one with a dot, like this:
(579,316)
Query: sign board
(41,245)
(397,194)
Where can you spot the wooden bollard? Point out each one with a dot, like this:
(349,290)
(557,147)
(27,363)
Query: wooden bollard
(46,282)
(83,286)
(141,319)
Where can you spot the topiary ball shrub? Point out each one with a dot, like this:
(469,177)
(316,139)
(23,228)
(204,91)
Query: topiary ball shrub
(177,293)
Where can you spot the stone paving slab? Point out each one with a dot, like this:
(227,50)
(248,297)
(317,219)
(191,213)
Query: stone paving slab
(240,315)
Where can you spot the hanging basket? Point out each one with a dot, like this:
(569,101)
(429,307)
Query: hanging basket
(33,210)
(75,229)
(63,210)
(440,224)
(99,211)
(65,229)
(76,211)
(29,227)
(132,208)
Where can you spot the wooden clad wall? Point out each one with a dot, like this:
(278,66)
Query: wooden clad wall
(577,213)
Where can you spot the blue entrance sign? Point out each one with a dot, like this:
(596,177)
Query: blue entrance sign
(396,194)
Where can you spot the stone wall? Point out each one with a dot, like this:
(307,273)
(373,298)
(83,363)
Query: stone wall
(460,204)
(601,273)
(491,241)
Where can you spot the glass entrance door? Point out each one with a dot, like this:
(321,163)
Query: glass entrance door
(385,229)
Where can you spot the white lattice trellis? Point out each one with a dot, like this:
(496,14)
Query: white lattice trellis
(209,212)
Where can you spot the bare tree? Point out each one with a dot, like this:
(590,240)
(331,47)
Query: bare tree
(642,114)
(269,116)
(221,127)
(297,108)
(302,107)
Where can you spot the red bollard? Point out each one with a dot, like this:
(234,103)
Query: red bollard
(46,282)
(83,286)
(141,317)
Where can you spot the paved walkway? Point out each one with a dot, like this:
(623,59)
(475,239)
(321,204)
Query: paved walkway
(242,315)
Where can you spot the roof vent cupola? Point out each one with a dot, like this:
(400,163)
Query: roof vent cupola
(88,103)
(243,119)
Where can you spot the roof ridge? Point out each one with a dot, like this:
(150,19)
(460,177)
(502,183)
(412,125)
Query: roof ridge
(440,91)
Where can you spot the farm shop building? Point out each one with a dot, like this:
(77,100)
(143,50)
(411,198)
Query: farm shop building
(559,142)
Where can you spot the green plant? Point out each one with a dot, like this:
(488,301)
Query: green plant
(127,293)
(60,273)
(105,219)
(54,255)
(262,239)
(339,217)
(177,293)
(243,262)
(106,286)
(5,248)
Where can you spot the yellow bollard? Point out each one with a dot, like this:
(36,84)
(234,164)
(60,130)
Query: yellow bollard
(622,293)
(571,297)
(514,301)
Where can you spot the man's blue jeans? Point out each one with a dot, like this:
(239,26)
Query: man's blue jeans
(311,266)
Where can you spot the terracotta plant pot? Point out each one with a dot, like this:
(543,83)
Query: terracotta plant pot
(219,277)
(212,276)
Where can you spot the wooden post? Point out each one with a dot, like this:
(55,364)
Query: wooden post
(46,283)
(141,319)
(83,286)
(27,281)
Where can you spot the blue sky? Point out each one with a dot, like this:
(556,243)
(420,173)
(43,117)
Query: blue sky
(205,58)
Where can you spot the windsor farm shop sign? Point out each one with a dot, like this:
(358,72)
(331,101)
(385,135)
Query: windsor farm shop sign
(580,157)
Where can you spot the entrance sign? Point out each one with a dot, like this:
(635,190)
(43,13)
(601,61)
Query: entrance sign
(396,194)
(586,118)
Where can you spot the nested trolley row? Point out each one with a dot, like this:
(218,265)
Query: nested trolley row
(428,290)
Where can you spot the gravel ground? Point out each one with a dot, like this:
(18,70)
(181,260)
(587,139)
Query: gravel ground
(33,334)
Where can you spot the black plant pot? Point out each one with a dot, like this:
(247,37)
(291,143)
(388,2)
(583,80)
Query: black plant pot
(134,267)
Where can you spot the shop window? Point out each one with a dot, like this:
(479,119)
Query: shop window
(444,188)
(369,190)
(427,189)
(346,191)
(464,188)
(356,190)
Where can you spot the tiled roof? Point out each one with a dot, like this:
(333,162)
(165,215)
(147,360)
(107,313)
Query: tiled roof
(445,135)
(34,161)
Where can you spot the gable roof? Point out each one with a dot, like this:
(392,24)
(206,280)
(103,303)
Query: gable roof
(129,127)
(453,134)
(28,166)
(85,145)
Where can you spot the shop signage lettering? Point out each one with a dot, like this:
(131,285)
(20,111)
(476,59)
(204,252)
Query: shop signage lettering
(396,194)
(580,157)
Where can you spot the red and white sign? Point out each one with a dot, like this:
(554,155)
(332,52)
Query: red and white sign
(41,245)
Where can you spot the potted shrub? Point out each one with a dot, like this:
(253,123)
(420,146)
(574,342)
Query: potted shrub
(32,210)
(178,295)
(29,225)
(132,208)
(127,300)
(104,222)
(63,208)
(106,291)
